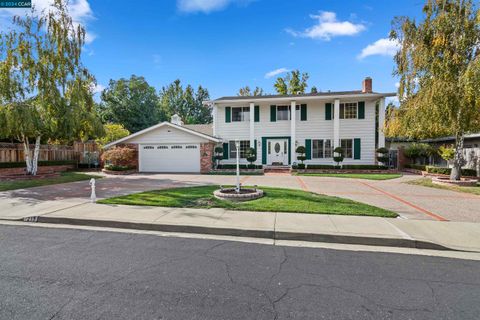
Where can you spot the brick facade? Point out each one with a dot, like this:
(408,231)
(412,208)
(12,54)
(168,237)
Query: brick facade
(206,156)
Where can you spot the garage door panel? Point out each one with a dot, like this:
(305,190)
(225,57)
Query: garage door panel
(170,158)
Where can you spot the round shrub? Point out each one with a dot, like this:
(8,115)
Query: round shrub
(120,157)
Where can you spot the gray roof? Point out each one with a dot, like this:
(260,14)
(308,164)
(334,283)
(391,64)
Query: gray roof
(202,128)
(319,94)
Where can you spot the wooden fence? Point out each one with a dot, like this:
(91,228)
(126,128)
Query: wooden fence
(13,152)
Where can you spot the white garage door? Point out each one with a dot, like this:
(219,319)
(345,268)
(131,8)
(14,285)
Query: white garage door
(169,158)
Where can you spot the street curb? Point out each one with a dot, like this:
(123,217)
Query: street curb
(265,234)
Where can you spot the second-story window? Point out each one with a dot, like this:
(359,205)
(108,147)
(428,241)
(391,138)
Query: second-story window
(348,110)
(283,113)
(240,114)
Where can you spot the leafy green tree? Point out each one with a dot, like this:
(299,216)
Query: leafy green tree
(314,90)
(186,103)
(439,68)
(447,153)
(113,132)
(292,83)
(133,103)
(45,91)
(246,92)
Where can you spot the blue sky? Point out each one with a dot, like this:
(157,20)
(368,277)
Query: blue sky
(226,44)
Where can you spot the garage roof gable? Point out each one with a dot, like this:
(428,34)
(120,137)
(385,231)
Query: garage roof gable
(166,123)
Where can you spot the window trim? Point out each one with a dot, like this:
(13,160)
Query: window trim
(242,113)
(343,110)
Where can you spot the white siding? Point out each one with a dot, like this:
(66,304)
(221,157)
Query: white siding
(316,127)
(166,134)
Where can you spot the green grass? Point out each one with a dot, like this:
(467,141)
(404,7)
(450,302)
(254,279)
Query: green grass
(368,176)
(427,182)
(64,177)
(275,199)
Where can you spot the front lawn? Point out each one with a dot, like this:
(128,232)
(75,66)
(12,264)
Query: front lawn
(368,176)
(275,200)
(64,177)
(427,182)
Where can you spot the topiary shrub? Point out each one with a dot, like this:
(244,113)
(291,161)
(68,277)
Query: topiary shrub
(301,157)
(382,155)
(251,156)
(218,155)
(338,155)
(120,157)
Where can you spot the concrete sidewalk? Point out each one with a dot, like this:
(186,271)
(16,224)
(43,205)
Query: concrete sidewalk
(424,234)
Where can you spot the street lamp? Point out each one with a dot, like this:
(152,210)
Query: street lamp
(237,146)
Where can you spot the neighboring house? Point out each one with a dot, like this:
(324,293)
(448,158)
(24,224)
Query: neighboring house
(321,122)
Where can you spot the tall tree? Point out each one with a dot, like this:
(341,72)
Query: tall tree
(133,103)
(45,91)
(246,92)
(186,103)
(439,69)
(292,83)
(314,90)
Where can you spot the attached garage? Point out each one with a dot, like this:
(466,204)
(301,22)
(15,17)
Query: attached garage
(169,157)
(171,148)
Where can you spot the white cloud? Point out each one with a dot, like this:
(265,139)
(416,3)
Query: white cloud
(98,88)
(205,6)
(275,72)
(80,12)
(328,27)
(382,47)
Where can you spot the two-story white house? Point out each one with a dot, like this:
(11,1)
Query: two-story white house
(274,125)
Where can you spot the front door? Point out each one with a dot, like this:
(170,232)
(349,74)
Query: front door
(277,151)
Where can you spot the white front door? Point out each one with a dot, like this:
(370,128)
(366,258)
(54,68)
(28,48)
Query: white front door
(277,151)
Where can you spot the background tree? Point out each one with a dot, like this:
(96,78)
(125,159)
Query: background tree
(113,132)
(133,103)
(314,90)
(292,83)
(45,91)
(187,103)
(439,69)
(246,92)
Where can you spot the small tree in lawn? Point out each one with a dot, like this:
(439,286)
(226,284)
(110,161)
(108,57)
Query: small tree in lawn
(251,156)
(383,156)
(439,68)
(301,156)
(338,155)
(218,155)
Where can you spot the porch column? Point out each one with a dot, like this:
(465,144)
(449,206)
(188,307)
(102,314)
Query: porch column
(336,123)
(214,115)
(293,136)
(381,123)
(252,125)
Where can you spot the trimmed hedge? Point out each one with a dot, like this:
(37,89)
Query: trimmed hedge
(40,164)
(447,171)
(111,167)
(416,167)
(347,167)
(242,166)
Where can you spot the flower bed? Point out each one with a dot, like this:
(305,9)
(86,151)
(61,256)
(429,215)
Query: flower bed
(464,182)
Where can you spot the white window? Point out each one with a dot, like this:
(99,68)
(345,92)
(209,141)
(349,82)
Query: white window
(148,147)
(162,147)
(322,149)
(347,146)
(283,113)
(348,110)
(240,114)
(191,147)
(177,147)
(244,145)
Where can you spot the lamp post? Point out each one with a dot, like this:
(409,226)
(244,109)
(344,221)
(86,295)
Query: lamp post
(237,146)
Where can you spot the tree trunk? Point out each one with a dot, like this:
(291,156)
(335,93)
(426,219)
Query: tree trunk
(35,156)
(27,156)
(458,160)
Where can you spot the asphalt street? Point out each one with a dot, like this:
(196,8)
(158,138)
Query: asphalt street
(78,274)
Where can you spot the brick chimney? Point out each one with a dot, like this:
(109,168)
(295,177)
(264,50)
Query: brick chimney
(367,85)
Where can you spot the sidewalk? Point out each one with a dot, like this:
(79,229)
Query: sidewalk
(424,234)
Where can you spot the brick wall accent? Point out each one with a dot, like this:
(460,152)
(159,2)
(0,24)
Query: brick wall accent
(41,170)
(206,156)
(402,159)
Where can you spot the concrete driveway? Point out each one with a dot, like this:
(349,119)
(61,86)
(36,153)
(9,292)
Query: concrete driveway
(410,201)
